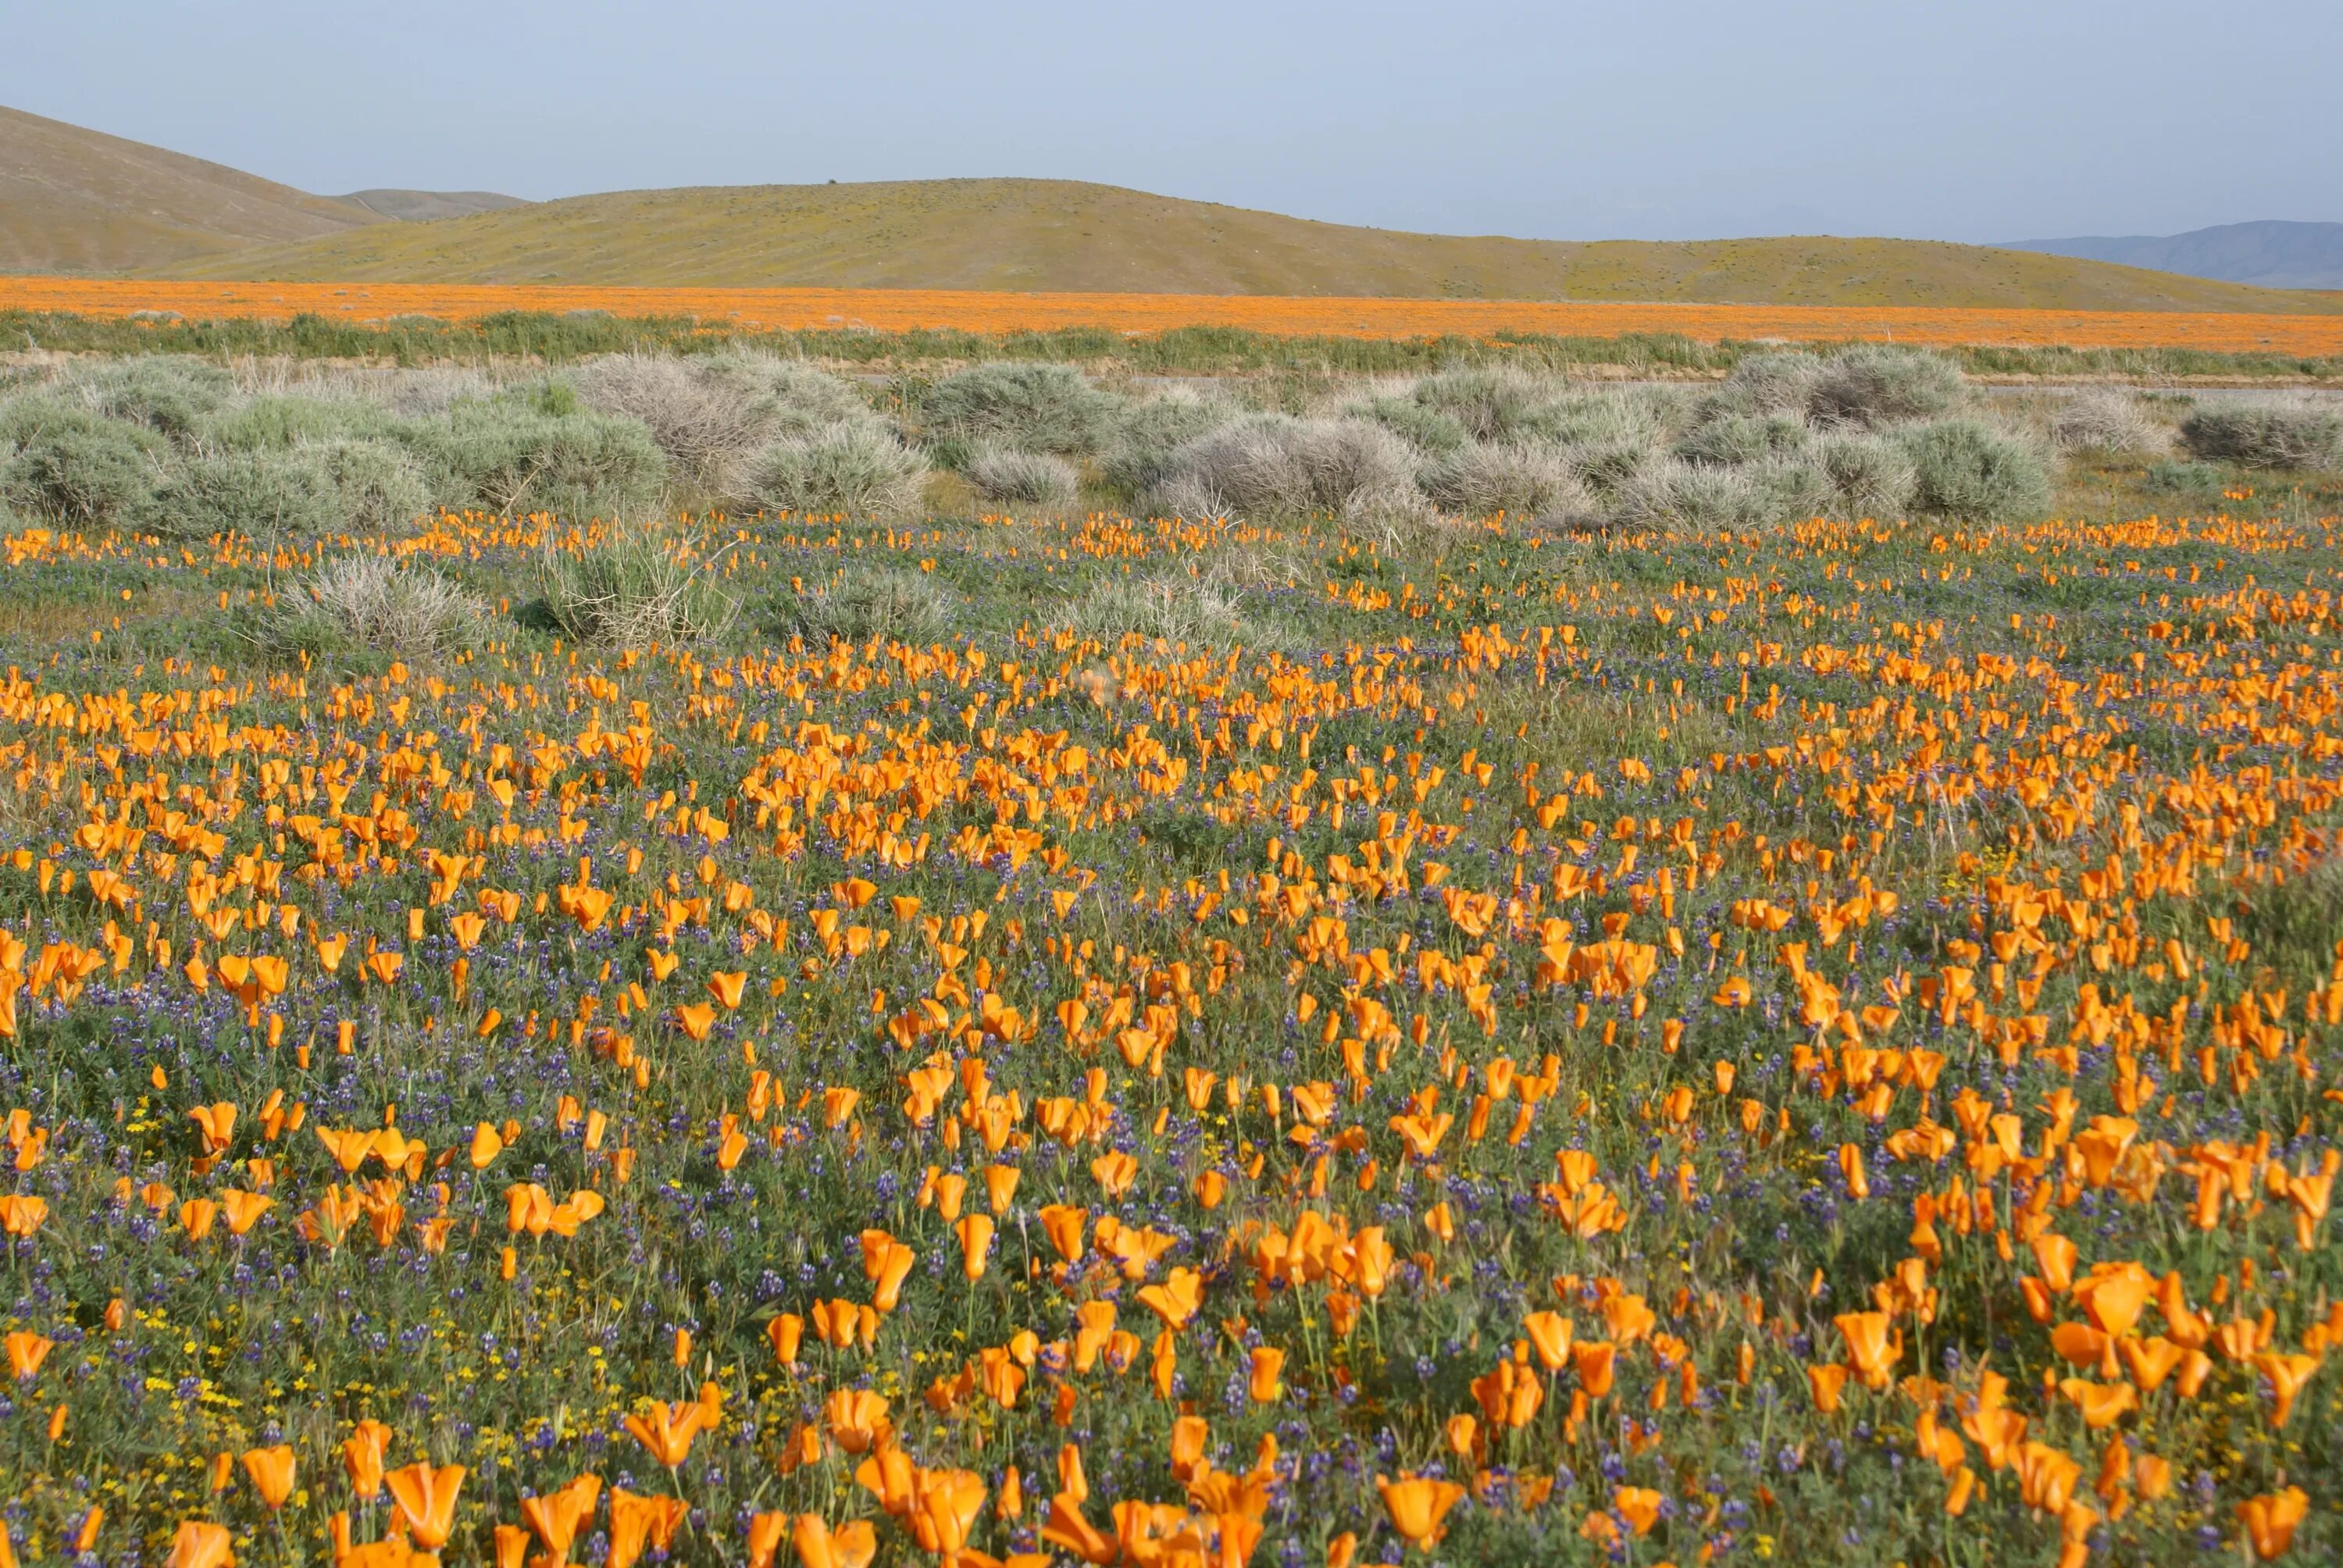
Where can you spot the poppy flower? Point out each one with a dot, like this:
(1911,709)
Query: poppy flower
(2271,1520)
(1268,1363)
(26,1351)
(857,1419)
(1417,1506)
(1549,1334)
(766,1532)
(1174,1301)
(975,1233)
(362,1458)
(272,1472)
(2287,1375)
(1639,1506)
(198,1544)
(667,1430)
(1824,1381)
(425,1500)
(556,1515)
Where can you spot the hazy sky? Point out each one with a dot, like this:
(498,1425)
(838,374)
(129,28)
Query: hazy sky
(1991,119)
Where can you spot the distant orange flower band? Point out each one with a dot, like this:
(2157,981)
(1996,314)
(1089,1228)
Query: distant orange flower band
(988,312)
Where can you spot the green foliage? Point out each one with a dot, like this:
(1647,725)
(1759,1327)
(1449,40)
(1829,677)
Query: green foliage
(1022,478)
(1147,431)
(854,470)
(1029,408)
(863,601)
(282,419)
(1429,430)
(515,456)
(61,461)
(633,584)
(1731,439)
(1967,469)
(1872,385)
(264,494)
(373,602)
(1761,385)
(1483,478)
(2267,434)
(1271,465)
(1870,476)
(2200,480)
(171,395)
(1493,402)
(379,486)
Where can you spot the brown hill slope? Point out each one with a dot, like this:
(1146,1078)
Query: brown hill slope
(1059,234)
(74,200)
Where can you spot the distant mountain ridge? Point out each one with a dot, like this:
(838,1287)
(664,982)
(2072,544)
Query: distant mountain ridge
(2270,253)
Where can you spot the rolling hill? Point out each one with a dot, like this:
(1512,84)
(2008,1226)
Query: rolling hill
(74,200)
(78,201)
(422,207)
(2270,254)
(1057,234)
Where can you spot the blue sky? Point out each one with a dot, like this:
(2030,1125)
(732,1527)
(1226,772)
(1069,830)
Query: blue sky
(1658,119)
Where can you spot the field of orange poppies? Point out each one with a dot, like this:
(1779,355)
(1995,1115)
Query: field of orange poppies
(1811,1044)
(995,313)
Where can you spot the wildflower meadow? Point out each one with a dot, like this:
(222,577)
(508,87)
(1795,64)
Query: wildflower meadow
(1739,975)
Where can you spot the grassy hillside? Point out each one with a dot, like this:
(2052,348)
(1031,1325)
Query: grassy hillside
(419,206)
(1055,234)
(74,200)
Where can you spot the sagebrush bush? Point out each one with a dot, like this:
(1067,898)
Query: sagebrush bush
(1493,402)
(1729,439)
(1607,467)
(169,394)
(1485,478)
(706,430)
(277,420)
(508,454)
(1771,383)
(415,392)
(1872,385)
(870,599)
(1427,429)
(1789,487)
(1968,469)
(2266,433)
(1650,416)
(1270,465)
(374,602)
(1029,408)
(1167,606)
(634,584)
(262,495)
(857,470)
(61,461)
(1022,478)
(789,399)
(2182,480)
(1146,432)
(1870,476)
(378,485)
(1672,494)
(2110,422)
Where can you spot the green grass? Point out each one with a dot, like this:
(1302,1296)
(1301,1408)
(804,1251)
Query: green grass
(1195,351)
